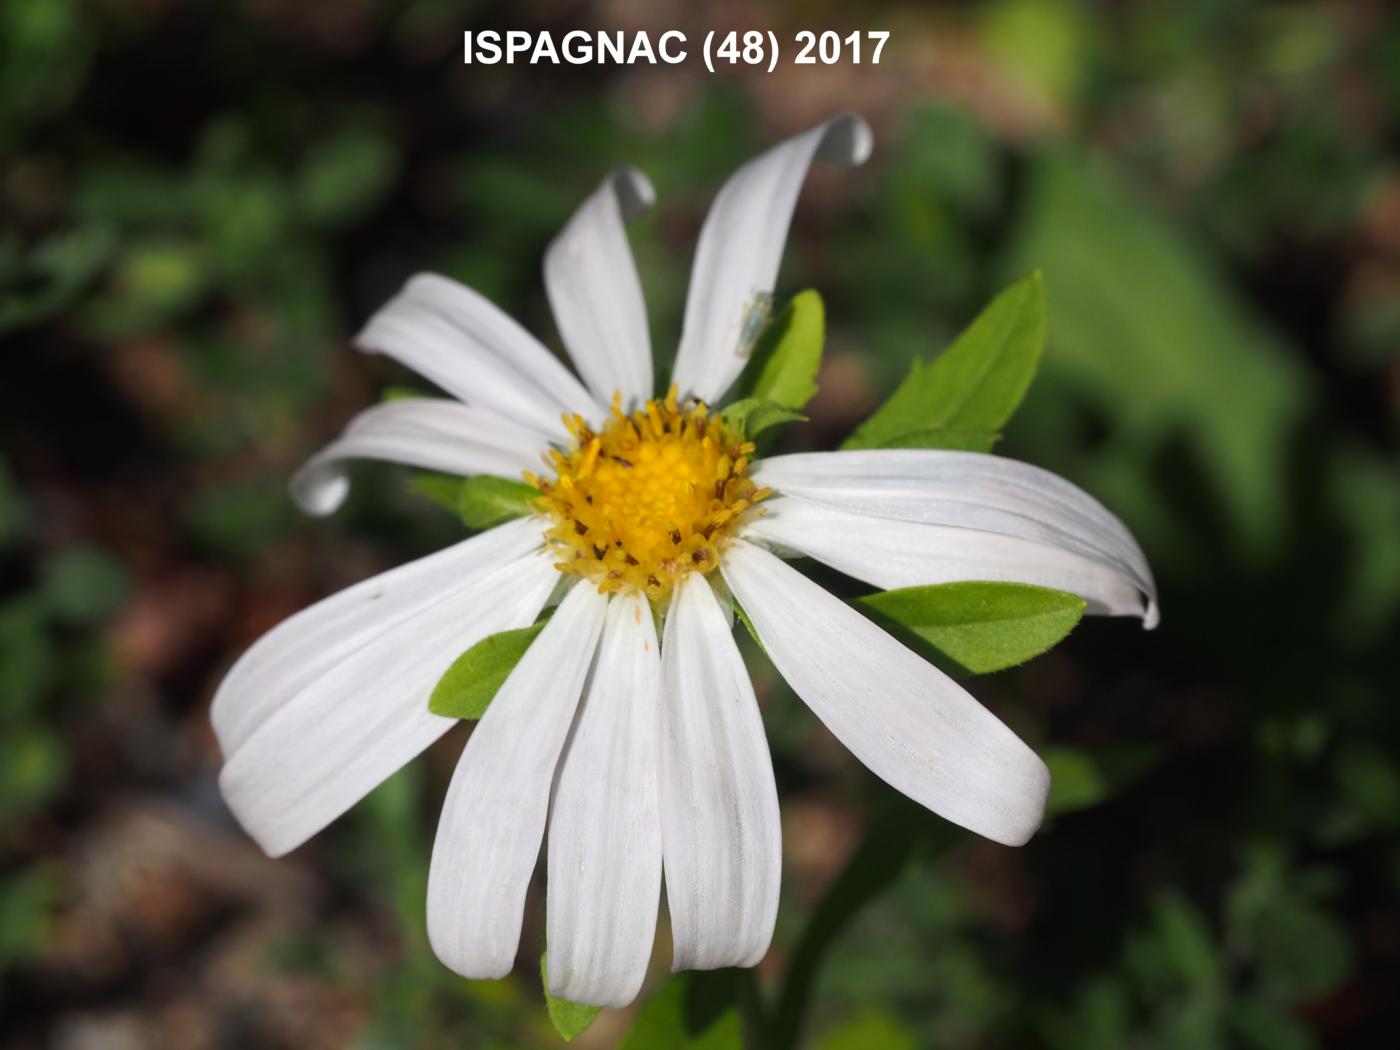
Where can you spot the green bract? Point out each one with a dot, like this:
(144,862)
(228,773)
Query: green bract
(970,390)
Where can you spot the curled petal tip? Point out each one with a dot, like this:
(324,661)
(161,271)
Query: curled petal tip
(318,489)
(848,140)
(635,193)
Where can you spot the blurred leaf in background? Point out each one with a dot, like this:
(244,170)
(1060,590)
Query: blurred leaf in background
(1150,337)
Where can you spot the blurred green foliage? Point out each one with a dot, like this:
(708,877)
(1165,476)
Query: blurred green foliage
(199,203)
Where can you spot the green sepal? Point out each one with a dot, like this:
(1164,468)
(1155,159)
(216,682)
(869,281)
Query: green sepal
(976,627)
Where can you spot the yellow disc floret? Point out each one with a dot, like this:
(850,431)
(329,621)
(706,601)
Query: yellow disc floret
(656,494)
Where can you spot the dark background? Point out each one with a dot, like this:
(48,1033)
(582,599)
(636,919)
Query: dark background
(199,202)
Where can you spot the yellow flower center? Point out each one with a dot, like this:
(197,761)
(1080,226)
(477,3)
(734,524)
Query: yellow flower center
(656,494)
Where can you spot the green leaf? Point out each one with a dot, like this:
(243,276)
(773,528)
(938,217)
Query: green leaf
(28,899)
(442,489)
(978,627)
(570,1020)
(400,392)
(156,278)
(788,354)
(344,175)
(1299,950)
(15,516)
(751,416)
(1080,780)
(866,1031)
(238,520)
(28,658)
(1264,1026)
(1043,47)
(480,501)
(82,585)
(53,274)
(1302,952)
(469,685)
(748,626)
(1151,337)
(974,385)
(486,500)
(697,1010)
(1076,782)
(33,766)
(1185,939)
(944,437)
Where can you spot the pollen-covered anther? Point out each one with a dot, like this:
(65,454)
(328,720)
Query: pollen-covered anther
(655,494)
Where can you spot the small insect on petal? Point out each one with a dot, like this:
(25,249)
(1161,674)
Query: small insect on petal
(756,317)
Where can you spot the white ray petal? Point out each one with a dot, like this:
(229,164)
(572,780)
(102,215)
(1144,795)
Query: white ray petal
(889,553)
(912,725)
(449,334)
(312,644)
(741,246)
(719,805)
(342,734)
(969,490)
(488,836)
(432,433)
(596,294)
(605,827)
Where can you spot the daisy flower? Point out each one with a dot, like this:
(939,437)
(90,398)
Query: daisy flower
(629,728)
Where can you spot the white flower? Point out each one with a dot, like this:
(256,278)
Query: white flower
(642,753)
